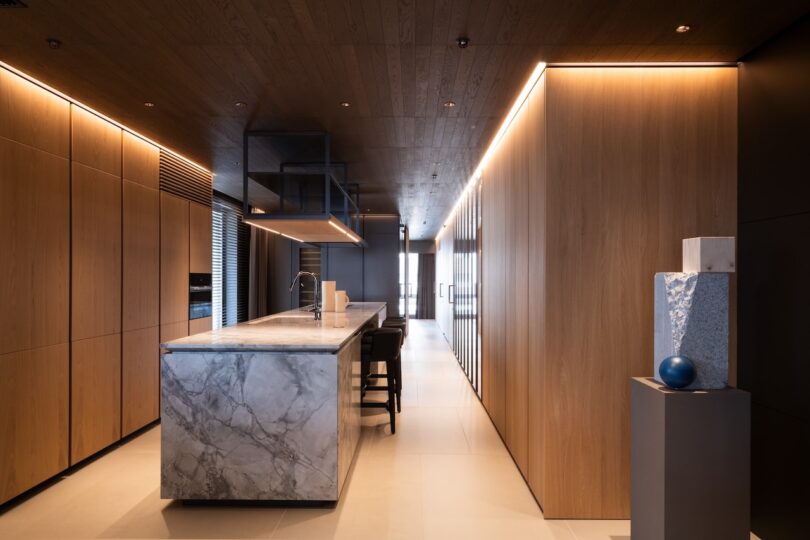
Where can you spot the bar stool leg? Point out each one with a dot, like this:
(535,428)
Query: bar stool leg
(392,413)
(398,375)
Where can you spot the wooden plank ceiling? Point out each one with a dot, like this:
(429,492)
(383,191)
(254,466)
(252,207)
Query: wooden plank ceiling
(292,62)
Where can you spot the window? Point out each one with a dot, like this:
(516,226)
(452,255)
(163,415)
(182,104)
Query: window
(229,276)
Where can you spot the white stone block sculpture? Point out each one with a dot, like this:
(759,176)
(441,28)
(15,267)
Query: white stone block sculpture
(691,319)
(708,254)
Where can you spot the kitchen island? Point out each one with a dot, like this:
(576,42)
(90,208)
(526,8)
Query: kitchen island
(264,410)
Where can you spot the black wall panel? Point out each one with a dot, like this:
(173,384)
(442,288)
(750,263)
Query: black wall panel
(773,267)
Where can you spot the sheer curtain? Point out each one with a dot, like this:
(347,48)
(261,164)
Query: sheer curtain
(425,299)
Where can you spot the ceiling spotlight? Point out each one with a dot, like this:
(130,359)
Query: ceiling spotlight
(449,104)
(345,104)
(463,42)
(240,104)
(434,176)
(682,29)
(148,104)
(54,43)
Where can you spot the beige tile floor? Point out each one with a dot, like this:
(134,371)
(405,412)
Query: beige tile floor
(445,474)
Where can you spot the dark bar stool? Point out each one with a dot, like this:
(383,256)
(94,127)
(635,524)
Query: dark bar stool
(385,345)
(397,322)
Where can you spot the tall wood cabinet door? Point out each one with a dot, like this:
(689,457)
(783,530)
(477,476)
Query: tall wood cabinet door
(199,238)
(141,257)
(96,253)
(140,162)
(33,116)
(140,378)
(95,396)
(34,419)
(34,247)
(95,142)
(198,326)
(174,258)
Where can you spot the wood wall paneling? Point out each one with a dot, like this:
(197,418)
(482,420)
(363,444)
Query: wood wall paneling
(96,253)
(661,166)
(617,165)
(174,259)
(199,238)
(35,220)
(141,257)
(95,395)
(198,326)
(140,161)
(34,419)
(140,378)
(536,317)
(95,142)
(33,116)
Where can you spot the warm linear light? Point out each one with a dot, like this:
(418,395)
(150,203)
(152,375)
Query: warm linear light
(291,237)
(91,110)
(516,106)
(524,93)
(344,231)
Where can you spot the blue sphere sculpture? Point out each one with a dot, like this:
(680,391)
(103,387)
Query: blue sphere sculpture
(677,372)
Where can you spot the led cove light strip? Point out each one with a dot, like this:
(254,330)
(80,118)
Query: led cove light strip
(339,228)
(516,106)
(91,110)
(254,224)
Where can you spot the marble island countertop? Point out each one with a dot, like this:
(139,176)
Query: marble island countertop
(293,330)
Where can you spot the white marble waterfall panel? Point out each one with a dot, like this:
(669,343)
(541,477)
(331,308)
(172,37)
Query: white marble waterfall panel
(249,426)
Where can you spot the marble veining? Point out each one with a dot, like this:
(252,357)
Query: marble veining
(249,426)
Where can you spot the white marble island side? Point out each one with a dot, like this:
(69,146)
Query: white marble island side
(264,410)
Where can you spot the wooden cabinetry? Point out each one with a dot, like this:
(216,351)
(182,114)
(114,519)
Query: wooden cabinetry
(95,395)
(140,355)
(141,257)
(140,162)
(96,253)
(95,142)
(34,284)
(34,218)
(174,259)
(198,326)
(140,378)
(199,238)
(34,419)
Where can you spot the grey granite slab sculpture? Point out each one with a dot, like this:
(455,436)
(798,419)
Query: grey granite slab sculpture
(691,319)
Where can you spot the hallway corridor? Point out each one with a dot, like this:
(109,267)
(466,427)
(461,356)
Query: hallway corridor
(444,475)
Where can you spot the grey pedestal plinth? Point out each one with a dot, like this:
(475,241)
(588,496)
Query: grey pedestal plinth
(690,463)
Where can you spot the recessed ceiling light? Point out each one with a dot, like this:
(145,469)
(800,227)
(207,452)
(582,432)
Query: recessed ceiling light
(345,104)
(682,29)
(434,176)
(148,104)
(463,42)
(449,104)
(54,43)
(240,104)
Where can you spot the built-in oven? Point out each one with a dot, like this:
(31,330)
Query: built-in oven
(199,296)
